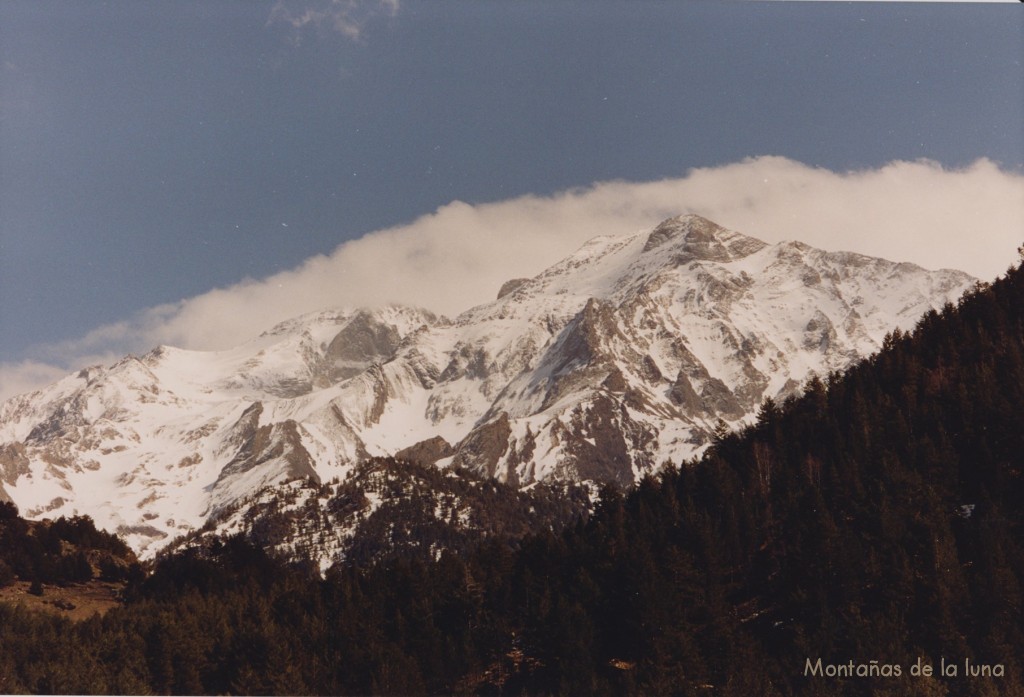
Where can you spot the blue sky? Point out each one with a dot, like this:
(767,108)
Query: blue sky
(153,152)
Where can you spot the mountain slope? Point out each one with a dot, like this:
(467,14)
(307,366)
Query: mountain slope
(388,508)
(869,526)
(609,363)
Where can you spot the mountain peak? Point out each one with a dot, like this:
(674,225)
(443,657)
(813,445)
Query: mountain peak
(696,237)
(616,359)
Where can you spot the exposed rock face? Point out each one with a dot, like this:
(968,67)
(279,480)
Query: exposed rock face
(364,341)
(604,366)
(819,333)
(484,446)
(696,238)
(511,286)
(426,452)
(603,439)
(14,462)
(275,448)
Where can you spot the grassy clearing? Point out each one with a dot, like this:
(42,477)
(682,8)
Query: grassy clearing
(76,601)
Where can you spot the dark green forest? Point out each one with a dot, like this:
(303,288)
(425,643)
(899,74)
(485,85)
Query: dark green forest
(59,552)
(873,523)
(422,510)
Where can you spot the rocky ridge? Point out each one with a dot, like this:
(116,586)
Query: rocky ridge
(611,362)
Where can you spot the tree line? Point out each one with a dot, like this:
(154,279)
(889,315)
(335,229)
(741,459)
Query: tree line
(874,518)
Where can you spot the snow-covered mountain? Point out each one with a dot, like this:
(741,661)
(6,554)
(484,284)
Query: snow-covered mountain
(603,367)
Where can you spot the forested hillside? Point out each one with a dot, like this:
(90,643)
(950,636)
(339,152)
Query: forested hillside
(873,523)
(389,507)
(58,552)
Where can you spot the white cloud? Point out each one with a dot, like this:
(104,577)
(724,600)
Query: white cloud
(458,256)
(25,376)
(346,17)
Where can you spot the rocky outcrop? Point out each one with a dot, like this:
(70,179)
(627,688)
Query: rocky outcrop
(14,462)
(364,341)
(511,286)
(484,446)
(426,452)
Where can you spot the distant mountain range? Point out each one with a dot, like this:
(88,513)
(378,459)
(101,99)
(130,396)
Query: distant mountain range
(625,355)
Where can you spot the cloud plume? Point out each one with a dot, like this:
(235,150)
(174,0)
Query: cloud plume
(459,255)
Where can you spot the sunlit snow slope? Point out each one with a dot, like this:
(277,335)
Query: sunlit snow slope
(609,363)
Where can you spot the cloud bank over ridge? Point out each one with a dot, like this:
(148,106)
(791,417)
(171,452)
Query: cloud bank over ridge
(971,219)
